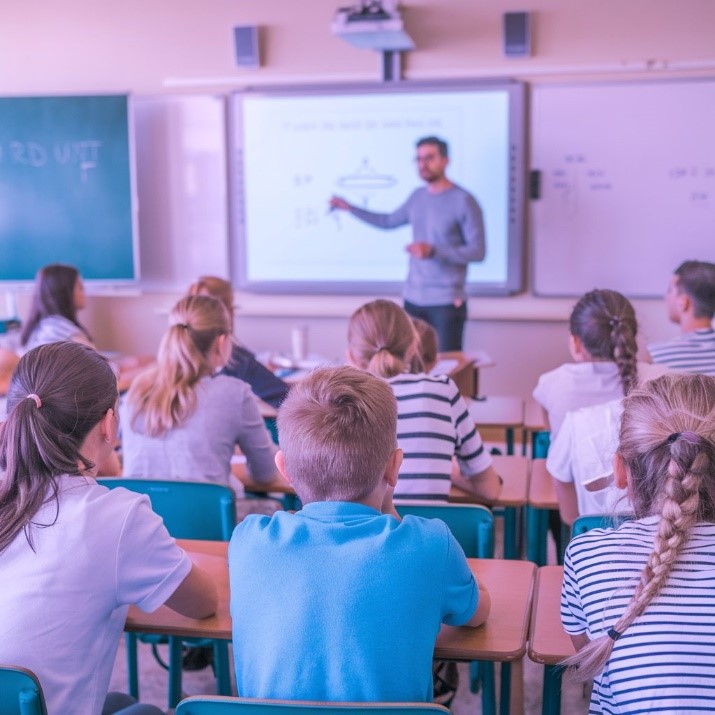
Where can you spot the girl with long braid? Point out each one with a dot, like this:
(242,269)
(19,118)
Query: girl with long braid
(602,342)
(638,600)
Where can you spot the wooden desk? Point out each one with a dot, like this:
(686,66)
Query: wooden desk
(548,643)
(505,413)
(542,498)
(514,470)
(502,638)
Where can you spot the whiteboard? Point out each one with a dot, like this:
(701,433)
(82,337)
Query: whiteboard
(627,184)
(292,148)
(182,189)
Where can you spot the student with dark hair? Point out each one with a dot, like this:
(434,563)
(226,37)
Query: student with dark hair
(602,342)
(242,362)
(638,600)
(690,300)
(74,555)
(59,295)
(448,234)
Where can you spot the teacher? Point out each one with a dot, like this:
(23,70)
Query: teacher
(447,235)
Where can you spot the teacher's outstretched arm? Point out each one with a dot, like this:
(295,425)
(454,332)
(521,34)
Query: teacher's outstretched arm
(399,217)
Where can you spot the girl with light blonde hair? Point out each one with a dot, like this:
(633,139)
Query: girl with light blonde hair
(183,419)
(433,423)
(638,600)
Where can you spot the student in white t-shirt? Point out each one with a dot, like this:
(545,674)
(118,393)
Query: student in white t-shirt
(602,342)
(74,555)
(637,601)
(581,462)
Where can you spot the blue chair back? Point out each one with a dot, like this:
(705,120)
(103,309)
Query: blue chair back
(471,524)
(190,510)
(598,521)
(203,705)
(20,692)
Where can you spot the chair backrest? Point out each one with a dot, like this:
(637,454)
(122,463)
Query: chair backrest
(217,705)
(471,524)
(190,510)
(598,521)
(20,692)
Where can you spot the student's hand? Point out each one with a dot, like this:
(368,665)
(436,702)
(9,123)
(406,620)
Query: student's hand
(338,202)
(420,249)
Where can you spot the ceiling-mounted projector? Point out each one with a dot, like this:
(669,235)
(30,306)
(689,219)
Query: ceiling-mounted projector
(372,25)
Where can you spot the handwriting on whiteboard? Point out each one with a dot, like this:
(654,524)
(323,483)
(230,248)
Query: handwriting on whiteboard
(697,181)
(82,154)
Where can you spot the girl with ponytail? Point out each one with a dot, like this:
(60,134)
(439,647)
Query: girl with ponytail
(74,555)
(602,342)
(638,600)
(433,423)
(183,419)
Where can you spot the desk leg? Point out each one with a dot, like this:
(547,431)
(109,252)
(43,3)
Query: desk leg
(514,706)
(175,658)
(551,704)
(509,532)
(489,702)
(537,532)
(222,667)
(510,440)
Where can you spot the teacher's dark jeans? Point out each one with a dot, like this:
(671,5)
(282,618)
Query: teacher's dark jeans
(447,320)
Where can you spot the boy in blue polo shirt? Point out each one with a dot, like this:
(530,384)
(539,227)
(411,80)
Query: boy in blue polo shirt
(342,601)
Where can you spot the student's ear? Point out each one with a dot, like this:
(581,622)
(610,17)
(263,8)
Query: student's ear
(350,358)
(392,469)
(108,426)
(620,471)
(576,348)
(280,461)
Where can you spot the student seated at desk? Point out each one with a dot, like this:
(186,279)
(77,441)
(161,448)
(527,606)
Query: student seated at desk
(74,555)
(580,460)
(638,600)
(433,423)
(602,342)
(183,418)
(342,601)
(242,363)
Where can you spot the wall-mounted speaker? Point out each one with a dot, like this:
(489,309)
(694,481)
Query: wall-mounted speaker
(245,38)
(517,34)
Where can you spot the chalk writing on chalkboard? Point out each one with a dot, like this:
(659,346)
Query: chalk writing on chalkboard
(83,154)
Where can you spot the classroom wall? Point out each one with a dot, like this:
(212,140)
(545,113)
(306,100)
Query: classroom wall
(154,47)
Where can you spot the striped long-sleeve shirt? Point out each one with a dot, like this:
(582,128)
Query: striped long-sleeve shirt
(433,425)
(665,661)
(692,352)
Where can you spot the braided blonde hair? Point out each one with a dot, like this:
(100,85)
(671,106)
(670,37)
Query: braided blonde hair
(383,340)
(667,444)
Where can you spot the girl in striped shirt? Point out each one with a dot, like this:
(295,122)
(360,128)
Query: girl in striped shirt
(639,601)
(433,424)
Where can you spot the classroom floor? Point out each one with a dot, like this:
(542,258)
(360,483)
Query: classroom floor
(153,680)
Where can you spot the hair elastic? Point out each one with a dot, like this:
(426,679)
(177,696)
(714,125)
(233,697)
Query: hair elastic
(33,396)
(614,321)
(184,326)
(613,634)
(672,437)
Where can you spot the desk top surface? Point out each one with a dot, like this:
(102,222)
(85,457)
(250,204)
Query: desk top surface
(497,411)
(548,643)
(514,470)
(542,493)
(502,638)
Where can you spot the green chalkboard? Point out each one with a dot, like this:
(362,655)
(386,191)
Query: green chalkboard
(66,186)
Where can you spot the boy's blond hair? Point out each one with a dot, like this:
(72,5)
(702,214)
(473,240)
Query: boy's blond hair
(337,430)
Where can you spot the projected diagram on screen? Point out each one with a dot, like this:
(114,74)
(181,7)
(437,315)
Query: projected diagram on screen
(299,151)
